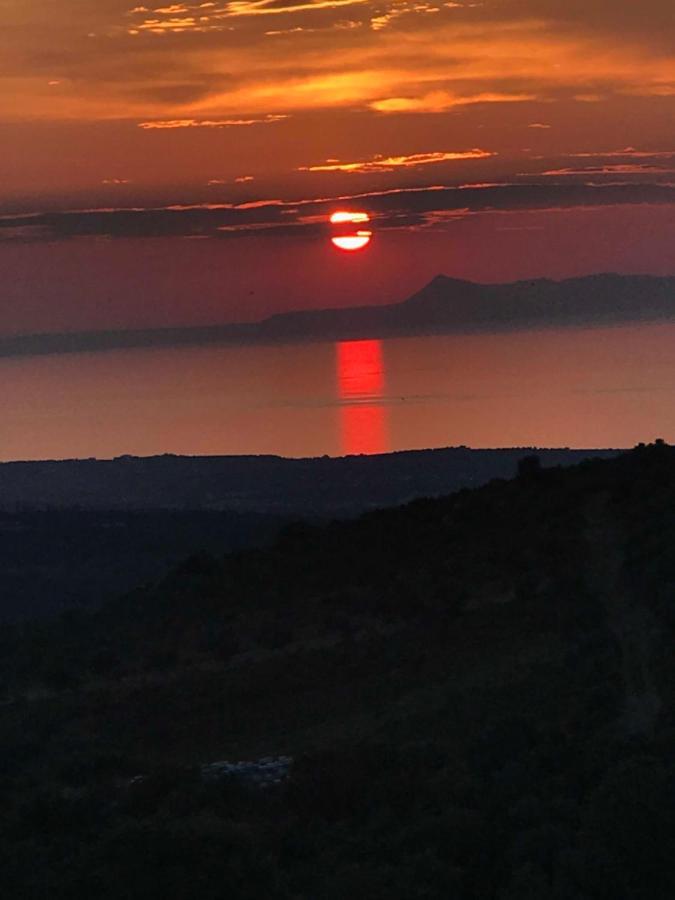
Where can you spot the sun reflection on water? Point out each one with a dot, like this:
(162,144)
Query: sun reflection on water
(361,386)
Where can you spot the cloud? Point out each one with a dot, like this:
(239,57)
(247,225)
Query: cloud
(275,7)
(209,123)
(397,208)
(216,60)
(626,153)
(177,94)
(204,18)
(440,101)
(340,25)
(390,163)
(651,165)
(26,233)
(350,73)
(434,219)
(396,11)
(615,169)
(650,21)
(279,31)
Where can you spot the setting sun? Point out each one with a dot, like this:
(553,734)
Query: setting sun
(353,218)
(351,240)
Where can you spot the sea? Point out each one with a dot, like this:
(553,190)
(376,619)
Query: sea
(590,387)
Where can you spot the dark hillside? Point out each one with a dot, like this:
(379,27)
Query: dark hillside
(75,533)
(56,559)
(321,486)
(477,693)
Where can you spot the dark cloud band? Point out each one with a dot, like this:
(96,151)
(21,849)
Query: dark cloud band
(405,208)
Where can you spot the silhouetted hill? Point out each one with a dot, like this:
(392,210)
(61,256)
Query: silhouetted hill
(77,532)
(592,300)
(476,692)
(56,559)
(266,484)
(445,305)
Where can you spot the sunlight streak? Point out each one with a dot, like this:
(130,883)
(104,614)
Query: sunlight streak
(361,386)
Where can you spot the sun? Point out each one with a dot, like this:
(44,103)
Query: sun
(356,241)
(350,239)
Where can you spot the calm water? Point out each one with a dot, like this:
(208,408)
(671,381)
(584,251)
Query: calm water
(602,387)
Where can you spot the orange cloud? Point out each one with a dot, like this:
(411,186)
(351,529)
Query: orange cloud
(439,101)
(219,61)
(628,152)
(389,163)
(273,7)
(206,17)
(342,69)
(209,123)
(615,169)
(384,20)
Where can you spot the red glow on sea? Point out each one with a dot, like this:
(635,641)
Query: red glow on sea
(360,374)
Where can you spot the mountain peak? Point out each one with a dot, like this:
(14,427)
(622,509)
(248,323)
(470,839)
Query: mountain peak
(447,280)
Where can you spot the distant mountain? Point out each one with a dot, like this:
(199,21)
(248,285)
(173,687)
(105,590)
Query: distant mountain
(445,305)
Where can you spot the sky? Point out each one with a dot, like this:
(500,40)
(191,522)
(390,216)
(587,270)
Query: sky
(177,163)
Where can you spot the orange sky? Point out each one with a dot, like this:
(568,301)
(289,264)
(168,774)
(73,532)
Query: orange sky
(129,132)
